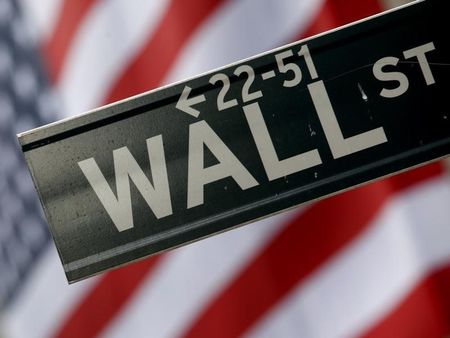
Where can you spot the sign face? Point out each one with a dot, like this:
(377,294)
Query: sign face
(196,158)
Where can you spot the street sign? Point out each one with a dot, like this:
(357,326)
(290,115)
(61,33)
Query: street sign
(245,141)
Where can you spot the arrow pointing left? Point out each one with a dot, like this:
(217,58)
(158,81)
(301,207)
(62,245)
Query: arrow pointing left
(185,103)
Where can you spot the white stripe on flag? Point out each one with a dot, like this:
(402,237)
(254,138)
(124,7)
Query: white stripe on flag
(108,38)
(241,29)
(409,238)
(43,15)
(45,301)
(182,285)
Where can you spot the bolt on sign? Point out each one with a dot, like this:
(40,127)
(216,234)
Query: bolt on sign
(202,156)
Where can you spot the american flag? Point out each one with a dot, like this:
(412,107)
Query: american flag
(371,262)
(25,101)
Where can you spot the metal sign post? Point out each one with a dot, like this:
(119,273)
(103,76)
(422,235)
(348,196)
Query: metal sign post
(245,141)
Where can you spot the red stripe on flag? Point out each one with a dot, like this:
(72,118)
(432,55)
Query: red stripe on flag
(425,312)
(340,12)
(348,11)
(55,50)
(105,300)
(325,20)
(153,62)
(313,237)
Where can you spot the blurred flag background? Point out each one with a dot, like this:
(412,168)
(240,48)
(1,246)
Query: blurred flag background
(372,262)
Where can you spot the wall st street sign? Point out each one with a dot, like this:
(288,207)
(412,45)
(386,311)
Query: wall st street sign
(202,156)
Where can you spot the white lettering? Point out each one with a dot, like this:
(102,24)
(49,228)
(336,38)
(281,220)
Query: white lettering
(273,166)
(419,53)
(403,83)
(200,135)
(339,145)
(157,195)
